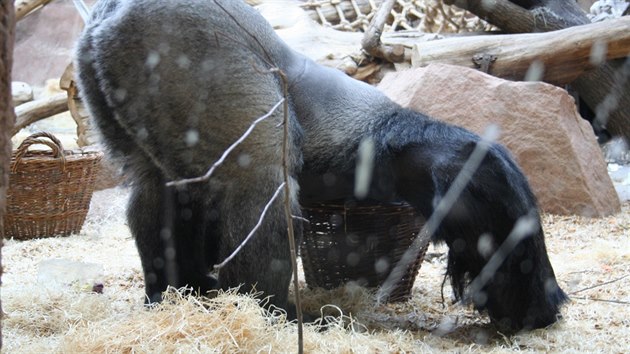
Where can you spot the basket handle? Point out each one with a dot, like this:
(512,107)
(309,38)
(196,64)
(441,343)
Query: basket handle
(37,138)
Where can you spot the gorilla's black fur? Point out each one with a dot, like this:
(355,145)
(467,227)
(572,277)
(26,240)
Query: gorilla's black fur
(171,84)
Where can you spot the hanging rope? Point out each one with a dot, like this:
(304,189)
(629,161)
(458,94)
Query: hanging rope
(429,16)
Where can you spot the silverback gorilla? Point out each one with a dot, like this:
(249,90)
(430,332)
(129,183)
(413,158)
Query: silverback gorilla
(172,84)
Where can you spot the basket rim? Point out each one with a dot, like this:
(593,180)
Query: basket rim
(46,156)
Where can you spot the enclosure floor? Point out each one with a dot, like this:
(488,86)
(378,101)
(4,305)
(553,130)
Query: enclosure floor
(44,314)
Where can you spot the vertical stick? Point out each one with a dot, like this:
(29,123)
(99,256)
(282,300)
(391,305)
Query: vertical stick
(7,116)
(288,214)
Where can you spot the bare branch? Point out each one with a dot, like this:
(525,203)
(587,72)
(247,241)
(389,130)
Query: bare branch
(300,218)
(83,9)
(603,300)
(288,214)
(600,285)
(371,41)
(251,233)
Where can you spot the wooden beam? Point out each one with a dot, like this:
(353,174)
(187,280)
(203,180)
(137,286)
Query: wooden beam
(33,111)
(607,86)
(565,54)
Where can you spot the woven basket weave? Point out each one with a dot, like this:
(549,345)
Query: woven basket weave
(359,243)
(49,191)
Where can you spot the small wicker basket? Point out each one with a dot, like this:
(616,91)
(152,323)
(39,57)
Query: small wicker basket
(49,191)
(360,243)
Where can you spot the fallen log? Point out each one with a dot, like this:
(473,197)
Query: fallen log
(525,16)
(601,88)
(33,111)
(565,54)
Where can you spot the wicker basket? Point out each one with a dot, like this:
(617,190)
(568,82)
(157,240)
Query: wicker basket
(49,191)
(359,243)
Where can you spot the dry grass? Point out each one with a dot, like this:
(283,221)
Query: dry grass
(43,314)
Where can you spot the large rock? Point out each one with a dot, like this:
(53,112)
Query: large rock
(539,124)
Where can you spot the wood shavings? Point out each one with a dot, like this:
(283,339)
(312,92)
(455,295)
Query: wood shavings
(590,257)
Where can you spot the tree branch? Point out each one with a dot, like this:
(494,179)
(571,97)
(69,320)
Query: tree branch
(371,41)
(33,111)
(253,231)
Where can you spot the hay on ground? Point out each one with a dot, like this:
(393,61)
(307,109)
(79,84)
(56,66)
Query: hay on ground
(43,313)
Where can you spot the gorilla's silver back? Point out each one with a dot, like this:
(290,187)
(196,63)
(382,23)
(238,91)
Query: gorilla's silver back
(185,73)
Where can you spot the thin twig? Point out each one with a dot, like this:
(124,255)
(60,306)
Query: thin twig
(289,215)
(234,18)
(253,231)
(227,151)
(603,300)
(83,9)
(600,285)
(300,218)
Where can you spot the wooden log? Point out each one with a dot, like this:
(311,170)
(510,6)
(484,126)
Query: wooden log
(33,111)
(565,54)
(596,87)
(86,131)
(525,16)
(25,7)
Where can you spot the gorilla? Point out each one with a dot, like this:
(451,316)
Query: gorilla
(172,84)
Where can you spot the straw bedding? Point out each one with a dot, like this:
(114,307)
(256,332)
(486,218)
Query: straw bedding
(45,311)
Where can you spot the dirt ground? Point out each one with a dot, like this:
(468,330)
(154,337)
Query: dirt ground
(50,306)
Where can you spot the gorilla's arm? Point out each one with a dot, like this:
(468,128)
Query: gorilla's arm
(416,160)
(523,292)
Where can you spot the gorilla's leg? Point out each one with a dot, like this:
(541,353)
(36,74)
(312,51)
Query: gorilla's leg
(263,264)
(170,236)
(195,236)
(523,292)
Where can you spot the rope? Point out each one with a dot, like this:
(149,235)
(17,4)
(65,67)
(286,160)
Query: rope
(429,16)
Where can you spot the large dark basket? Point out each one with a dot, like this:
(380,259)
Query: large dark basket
(359,242)
(49,191)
